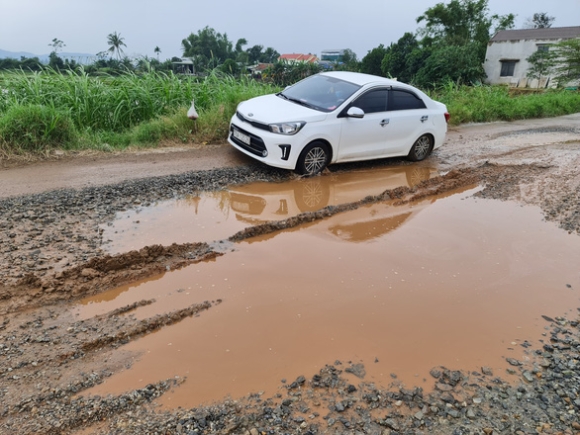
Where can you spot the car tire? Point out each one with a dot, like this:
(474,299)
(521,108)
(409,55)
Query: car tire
(421,149)
(313,159)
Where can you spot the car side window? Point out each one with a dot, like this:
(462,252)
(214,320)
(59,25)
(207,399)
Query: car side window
(404,100)
(373,101)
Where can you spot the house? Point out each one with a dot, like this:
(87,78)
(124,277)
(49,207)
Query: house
(257,70)
(298,58)
(505,59)
(330,58)
(185,66)
(334,56)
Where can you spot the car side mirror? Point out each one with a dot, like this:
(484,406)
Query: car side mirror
(355,112)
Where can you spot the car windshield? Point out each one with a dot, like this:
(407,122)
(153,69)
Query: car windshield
(320,92)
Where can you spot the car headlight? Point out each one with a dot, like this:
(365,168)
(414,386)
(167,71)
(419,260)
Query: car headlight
(288,128)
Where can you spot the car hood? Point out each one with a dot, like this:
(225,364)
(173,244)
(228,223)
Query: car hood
(270,109)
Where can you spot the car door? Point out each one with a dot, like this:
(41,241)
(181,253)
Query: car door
(364,137)
(408,119)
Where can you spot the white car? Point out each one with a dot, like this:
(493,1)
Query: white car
(337,117)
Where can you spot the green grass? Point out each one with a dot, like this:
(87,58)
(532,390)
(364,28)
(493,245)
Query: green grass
(73,111)
(35,128)
(114,112)
(495,103)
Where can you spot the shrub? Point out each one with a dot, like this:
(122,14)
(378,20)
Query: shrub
(36,128)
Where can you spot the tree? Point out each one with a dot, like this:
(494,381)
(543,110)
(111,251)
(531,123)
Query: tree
(56,45)
(207,48)
(157,51)
(231,67)
(462,22)
(542,63)
(451,63)
(254,54)
(55,62)
(371,63)
(240,45)
(115,42)
(348,61)
(398,58)
(567,66)
(269,55)
(539,20)
(458,33)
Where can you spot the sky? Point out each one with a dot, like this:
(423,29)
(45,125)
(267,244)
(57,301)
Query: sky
(289,26)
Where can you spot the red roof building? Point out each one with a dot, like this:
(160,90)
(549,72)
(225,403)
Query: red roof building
(296,57)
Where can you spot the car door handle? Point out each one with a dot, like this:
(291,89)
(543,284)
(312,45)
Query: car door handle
(384,122)
(424,118)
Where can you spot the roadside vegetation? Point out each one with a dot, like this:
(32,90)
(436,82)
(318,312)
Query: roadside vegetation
(115,102)
(46,110)
(483,103)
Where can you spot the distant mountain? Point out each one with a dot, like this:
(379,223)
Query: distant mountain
(14,55)
(78,57)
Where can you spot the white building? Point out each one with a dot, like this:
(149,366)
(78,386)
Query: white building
(507,51)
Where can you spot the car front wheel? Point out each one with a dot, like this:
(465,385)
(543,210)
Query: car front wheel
(421,148)
(313,159)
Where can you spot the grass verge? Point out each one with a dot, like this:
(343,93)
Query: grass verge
(44,111)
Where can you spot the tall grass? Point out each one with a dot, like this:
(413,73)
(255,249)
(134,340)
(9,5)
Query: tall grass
(45,110)
(128,109)
(496,103)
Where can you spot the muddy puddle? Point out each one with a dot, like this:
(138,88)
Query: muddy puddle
(452,280)
(209,216)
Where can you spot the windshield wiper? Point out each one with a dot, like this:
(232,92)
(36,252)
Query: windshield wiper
(280,94)
(302,103)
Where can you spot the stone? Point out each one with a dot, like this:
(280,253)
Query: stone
(528,376)
(443,387)
(487,371)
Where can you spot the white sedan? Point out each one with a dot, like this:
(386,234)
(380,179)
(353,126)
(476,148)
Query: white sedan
(337,117)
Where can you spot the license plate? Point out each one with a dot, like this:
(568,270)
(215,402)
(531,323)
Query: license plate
(241,136)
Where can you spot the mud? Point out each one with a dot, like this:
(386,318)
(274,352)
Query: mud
(53,255)
(441,281)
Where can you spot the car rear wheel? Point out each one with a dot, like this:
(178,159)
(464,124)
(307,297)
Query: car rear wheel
(313,159)
(421,148)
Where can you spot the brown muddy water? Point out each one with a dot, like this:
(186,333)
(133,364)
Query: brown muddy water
(450,281)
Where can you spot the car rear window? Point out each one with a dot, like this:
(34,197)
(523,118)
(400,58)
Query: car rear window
(404,100)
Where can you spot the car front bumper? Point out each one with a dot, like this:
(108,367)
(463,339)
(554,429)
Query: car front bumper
(270,148)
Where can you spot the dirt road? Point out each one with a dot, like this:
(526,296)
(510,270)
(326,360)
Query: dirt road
(465,145)
(51,254)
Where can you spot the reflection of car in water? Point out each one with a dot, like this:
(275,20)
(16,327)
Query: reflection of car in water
(262,202)
(370,222)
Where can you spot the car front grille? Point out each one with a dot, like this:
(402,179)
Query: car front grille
(253,123)
(256,145)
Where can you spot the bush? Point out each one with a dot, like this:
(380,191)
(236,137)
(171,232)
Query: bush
(496,103)
(177,126)
(36,128)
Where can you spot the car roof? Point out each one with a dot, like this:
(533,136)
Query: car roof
(360,79)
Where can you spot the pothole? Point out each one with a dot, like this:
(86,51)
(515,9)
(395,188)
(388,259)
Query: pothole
(450,280)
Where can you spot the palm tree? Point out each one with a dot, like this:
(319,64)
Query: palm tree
(115,43)
(157,50)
